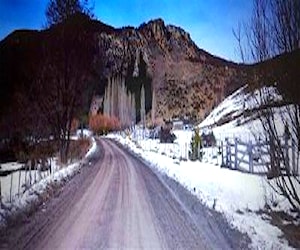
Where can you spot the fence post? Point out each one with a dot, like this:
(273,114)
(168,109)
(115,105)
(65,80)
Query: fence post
(235,152)
(35,176)
(227,152)
(40,173)
(51,170)
(26,166)
(19,183)
(250,152)
(30,173)
(229,155)
(222,154)
(11,184)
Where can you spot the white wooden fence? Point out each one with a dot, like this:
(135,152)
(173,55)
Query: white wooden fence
(234,153)
(18,181)
(254,157)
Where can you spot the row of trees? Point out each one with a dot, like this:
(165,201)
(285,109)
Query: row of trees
(119,108)
(66,71)
(273,29)
(143,107)
(55,74)
(119,102)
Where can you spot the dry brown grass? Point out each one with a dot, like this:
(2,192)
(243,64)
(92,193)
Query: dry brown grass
(78,148)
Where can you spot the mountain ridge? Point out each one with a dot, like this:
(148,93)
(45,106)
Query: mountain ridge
(188,80)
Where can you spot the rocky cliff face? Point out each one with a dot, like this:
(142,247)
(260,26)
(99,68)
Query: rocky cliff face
(186,80)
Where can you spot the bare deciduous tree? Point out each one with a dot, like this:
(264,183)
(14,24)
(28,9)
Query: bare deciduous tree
(273,29)
(60,10)
(63,76)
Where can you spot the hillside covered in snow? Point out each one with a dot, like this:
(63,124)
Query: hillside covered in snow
(247,201)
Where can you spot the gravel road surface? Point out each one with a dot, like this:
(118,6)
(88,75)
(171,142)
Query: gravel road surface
(120,203)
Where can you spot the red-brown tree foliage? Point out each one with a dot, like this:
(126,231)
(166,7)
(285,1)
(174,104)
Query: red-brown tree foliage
(101,124)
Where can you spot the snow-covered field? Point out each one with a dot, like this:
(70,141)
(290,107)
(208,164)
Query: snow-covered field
(13,200)
(239,196)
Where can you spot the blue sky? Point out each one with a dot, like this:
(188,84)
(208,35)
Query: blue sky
(209,22)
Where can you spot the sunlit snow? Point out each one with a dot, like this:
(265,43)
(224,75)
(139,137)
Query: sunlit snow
(239,196)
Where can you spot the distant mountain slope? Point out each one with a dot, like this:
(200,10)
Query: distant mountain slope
(187,80)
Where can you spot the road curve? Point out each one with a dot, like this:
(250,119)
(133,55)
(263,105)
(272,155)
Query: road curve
(121,205)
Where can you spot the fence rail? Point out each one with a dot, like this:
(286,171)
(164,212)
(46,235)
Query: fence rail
(18,181)
(233,153)
(254,157)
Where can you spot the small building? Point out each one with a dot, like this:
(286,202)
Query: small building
(178,124)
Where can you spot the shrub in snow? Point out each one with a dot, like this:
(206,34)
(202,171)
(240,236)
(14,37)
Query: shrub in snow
(102,124)
(208,140)
(166,135)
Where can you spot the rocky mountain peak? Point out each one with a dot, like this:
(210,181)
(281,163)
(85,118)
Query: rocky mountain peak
(178,32)
(187,80)
(158,29)
(165,38)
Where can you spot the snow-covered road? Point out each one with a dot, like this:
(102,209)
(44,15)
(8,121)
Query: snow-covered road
(119,203)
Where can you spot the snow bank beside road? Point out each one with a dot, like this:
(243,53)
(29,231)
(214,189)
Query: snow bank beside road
(92,148)
(32,195)
(238,196)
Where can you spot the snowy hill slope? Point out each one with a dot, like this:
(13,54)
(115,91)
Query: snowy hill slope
(236,115)
(233,105)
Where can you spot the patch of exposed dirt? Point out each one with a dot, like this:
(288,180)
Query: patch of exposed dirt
(289,225)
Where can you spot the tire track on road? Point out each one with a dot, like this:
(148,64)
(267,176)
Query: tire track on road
(123,205)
